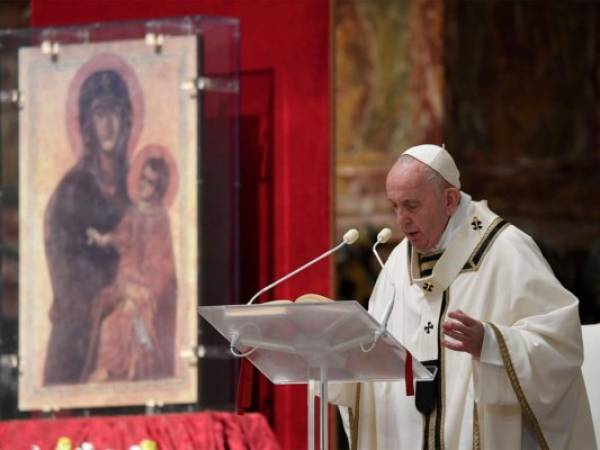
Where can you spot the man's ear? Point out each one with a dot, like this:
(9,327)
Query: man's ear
(452,199)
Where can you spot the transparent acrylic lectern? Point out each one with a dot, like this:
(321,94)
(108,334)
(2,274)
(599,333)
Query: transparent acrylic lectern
(297,343)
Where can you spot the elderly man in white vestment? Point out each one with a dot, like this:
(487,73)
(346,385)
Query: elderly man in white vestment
(475,298)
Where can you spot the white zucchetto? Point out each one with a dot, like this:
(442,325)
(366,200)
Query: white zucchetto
(438,159)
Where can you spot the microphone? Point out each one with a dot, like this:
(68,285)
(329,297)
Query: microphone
(349,238)
(384,236)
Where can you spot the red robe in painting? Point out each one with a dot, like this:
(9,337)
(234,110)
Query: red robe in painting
(134,318)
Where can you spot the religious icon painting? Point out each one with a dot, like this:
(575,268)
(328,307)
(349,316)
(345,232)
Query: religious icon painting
(108,218)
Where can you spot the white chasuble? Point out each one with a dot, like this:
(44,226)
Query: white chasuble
(526,390)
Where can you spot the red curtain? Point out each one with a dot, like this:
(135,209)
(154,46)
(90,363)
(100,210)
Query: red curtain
(214,431)
(285,148)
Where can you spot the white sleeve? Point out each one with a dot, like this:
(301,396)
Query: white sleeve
(491,384)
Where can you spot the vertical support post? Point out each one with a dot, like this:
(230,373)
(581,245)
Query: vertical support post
(311,415)
(324,404)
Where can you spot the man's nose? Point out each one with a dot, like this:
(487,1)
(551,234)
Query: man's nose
(402,218)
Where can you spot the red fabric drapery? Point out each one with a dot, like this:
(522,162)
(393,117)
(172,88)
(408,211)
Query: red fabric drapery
(209,430)
(285,149)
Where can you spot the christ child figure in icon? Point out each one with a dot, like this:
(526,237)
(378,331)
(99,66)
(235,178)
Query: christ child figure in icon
(129,341)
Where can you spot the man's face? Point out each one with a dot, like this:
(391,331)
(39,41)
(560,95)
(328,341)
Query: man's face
(106,118)
(422,210)
(148,183)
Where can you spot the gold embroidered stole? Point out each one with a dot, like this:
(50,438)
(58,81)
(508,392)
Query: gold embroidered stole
(516,385)
(434,272)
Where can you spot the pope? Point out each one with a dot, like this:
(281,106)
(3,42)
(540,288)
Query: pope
(475,299)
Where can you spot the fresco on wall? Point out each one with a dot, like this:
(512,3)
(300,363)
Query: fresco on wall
(388,96)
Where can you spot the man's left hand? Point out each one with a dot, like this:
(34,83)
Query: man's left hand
(465,332)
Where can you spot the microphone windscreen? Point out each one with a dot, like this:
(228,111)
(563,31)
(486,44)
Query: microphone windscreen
(350,236)
(384,235)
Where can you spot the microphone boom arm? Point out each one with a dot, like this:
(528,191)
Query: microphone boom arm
(349,238)
(383,237)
